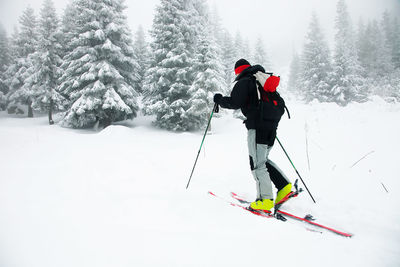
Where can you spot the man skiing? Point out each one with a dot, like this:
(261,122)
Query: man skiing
(260,136)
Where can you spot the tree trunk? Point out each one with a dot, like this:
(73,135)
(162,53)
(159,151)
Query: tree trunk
(30,110)
(51,122)
(107,122)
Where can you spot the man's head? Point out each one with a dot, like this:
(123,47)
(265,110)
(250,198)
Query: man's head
(241,65)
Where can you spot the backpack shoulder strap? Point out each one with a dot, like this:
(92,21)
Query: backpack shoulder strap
(258,87)
(287,110)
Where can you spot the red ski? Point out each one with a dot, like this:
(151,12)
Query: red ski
(278,214)
(307,219)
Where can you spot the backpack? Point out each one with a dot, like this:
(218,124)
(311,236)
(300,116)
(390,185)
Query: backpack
(271,104)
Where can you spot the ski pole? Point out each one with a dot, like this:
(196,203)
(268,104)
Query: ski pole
(215,109)
(295,169)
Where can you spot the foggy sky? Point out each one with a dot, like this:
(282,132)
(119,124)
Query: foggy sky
(281,23)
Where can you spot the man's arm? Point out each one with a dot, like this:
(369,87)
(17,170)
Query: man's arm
(238,97)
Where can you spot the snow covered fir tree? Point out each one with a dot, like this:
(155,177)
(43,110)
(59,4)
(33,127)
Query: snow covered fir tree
(23,47)
(228,58)
(4,63)
(43,74)
(316,66)
(105,92)
(261,56)
(294,74)
(208,80)
(168,78)
(173,79)
(347,79)
(141,50)
(99,73)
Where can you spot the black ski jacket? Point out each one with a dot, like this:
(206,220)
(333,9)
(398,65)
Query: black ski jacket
(244,96)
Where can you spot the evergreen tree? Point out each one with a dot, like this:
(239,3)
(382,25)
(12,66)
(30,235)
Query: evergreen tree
(395,85)
(4,50)
(294,74)
(225,45)
(375,58)
(240,50)
(247,50)
(209,74)
(364,47)
(13,44)
(141,49)
(228,59)
(169,77)
(387,28)
(396,60)
(68,28)
(388,78)
(381,58)
(346,76)
(316,65)
(24,46)
(396,43)
(216,26)
(5,59)
(99,73)
(260,55)
(44,73)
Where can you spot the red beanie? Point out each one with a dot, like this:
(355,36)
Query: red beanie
(241,65)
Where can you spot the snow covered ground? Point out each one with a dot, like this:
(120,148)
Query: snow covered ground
(117,197)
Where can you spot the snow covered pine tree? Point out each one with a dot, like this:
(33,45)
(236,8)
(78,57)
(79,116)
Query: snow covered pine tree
(24,45)
(43,73)
(99,73)
(316,65)
(177,70)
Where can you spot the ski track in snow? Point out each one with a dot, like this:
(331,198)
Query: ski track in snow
(117,197)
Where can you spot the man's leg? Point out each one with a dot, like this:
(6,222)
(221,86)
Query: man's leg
(258,157)
(280,181)
(277,176)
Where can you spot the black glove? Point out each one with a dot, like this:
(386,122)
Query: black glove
(217,98)
(216,108)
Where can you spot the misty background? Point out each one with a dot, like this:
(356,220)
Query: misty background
(283,24)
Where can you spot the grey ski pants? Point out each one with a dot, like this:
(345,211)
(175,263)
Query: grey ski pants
(258,157)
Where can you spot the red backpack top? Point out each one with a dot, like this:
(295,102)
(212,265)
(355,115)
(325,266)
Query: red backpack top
(268,81)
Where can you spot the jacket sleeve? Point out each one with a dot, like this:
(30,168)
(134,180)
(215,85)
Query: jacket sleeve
(238,97)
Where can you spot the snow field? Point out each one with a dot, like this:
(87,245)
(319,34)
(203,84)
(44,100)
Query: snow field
(118,197)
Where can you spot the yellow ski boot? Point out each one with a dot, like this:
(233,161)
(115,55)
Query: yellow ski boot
(262,205)
(283,194)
